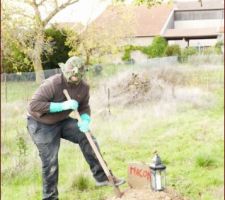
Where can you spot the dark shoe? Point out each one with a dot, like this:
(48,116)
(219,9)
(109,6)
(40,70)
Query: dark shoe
(117,182)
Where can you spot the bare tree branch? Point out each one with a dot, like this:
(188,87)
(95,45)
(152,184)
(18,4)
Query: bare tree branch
(56,4)
(35,7)
(57,9)
(26,15)
(41,2)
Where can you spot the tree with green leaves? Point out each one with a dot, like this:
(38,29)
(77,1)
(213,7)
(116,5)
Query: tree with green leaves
(102,38)
(24,23)
(148,3)
(60,51)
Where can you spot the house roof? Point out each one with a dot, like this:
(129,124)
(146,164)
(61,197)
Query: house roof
(151,21)
(79,27)
(191,33)
(196,5)
(146,21)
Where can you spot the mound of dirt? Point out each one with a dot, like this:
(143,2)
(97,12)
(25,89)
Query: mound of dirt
(145,85)
(147,194)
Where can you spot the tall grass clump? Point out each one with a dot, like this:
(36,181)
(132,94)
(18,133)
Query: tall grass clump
(205,160)
(81,182)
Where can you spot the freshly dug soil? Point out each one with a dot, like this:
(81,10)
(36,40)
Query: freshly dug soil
(147,194)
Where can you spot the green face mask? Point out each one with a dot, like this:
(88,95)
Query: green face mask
(77,72)
(74,66)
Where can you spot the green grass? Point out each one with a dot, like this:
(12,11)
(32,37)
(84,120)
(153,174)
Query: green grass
(17,91)
(190,142)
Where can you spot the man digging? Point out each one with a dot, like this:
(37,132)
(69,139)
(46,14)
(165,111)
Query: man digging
(48,121)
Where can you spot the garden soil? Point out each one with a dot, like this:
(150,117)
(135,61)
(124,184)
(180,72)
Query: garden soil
(148,194)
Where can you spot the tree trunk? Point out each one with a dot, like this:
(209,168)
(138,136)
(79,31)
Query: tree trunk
(87,58)
(36,58)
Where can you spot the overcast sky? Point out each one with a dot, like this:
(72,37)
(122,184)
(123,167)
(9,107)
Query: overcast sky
(83,11)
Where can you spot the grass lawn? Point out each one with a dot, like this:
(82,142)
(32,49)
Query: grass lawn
(188,137)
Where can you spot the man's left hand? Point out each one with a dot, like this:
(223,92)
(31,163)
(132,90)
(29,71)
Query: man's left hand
(84,123)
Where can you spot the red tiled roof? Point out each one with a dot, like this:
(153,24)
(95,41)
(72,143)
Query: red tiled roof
(146,22)
(76,26)
(194,32)
(151,21)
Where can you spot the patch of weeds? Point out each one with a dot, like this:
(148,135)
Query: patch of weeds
(81,183)
(22,146)
(205,160)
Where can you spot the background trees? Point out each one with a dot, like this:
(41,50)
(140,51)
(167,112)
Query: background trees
(24,24)
(102,37)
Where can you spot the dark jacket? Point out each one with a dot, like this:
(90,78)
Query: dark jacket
(51,90)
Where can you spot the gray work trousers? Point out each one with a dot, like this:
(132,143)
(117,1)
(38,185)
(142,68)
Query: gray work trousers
(47,139)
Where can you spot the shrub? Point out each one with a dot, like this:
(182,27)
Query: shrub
(158,47)
(127,52)
(212,50)
(146,50)
(18,62)
(189,51)
(126,56)
(173,50)
(219,45)
(60,50)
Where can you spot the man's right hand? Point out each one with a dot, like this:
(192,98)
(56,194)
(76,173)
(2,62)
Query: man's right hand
(66,105)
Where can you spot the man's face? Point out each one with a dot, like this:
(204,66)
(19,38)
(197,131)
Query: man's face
(73,69)
(74,74)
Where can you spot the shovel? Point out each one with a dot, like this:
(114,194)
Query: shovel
(98,155)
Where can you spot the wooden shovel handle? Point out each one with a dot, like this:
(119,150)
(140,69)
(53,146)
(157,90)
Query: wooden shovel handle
(96,151)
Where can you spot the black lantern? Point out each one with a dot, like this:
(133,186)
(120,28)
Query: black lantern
(158,174)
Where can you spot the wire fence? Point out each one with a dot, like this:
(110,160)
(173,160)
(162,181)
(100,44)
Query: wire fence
(20,86)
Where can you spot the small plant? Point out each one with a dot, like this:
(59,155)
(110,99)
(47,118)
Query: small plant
(204,160)
(81,183)
(22,146)
(173,50)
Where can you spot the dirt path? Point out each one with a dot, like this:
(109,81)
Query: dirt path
(147,194)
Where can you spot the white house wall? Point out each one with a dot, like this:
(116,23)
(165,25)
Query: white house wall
(142,41)
(139,57)
(185,24)
(181,43)
(194,42)
(204,43)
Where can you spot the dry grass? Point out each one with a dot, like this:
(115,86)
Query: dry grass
(166,88)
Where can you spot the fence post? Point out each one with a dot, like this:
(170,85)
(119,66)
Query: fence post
(5,80)
(109,101)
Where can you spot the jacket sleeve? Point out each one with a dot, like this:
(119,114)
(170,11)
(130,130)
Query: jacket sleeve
(41,99)
(84,106)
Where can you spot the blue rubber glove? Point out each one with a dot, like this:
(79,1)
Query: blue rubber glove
(66,105)
(84,124)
